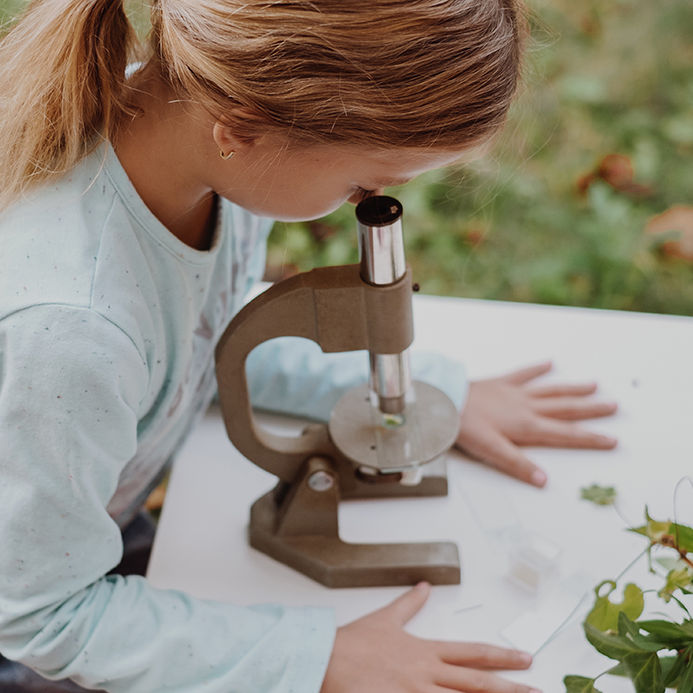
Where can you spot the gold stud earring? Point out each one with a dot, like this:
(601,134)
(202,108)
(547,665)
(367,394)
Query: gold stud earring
(226,157)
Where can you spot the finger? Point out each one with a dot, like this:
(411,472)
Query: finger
(404,607)
(493,448)
(558,390)
(475,681)
(572,408)
(549,432)
(475,654)
(524,375)
(446,689)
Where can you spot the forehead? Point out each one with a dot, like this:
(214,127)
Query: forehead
(397,165)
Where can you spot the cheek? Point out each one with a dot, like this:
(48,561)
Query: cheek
(290,190)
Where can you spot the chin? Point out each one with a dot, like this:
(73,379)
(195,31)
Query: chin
(308,216)
(283,214)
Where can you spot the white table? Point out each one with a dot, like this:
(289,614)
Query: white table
(643,361)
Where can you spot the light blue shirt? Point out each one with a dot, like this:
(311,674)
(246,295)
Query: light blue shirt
(108,324)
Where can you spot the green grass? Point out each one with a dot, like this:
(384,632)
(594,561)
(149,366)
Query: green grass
(602,77)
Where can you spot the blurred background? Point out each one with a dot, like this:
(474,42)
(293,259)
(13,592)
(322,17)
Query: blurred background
(587,196)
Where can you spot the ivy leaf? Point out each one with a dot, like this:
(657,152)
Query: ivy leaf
(672,666)
(604,613)
(657,531)
(645,671)
(600,495)
(618,670)
(631,630)
(683,536)
(680,579)
(675,228)
(653,529)
(676,635)
(686,680)
(610,644)
(612,627)
(579,684)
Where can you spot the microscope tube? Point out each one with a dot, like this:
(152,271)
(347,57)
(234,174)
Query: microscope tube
(381,248)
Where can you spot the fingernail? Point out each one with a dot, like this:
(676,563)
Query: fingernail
(525,658)
(538,478)
(423,585)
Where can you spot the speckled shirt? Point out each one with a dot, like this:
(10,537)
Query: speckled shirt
(107,328)
(108,324)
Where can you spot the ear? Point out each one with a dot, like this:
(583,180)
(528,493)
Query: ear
(239,130)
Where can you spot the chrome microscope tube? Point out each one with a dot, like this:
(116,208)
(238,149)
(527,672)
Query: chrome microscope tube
(381,249)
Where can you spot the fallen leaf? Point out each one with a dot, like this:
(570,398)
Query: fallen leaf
(617,171)
(677,222)
(474,236)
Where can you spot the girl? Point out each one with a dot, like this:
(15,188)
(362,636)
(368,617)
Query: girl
(134,216)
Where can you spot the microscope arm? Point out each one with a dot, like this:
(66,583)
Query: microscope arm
(331,306)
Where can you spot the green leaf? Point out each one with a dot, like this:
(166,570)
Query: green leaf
(604,613)
(600,495)
(683,536)
(672,666)
(631,630)
(609,644)
(686,680)
(618,670)
(579,684)
(676,635)
(653,530)
(679,579)
(645,671)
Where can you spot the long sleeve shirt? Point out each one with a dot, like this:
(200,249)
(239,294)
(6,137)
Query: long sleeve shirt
(108,325)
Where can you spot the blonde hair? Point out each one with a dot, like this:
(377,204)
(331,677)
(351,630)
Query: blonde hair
(390,73)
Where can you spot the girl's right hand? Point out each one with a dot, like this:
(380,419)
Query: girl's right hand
(375,655)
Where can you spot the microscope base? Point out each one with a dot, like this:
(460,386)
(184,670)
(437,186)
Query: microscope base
(296,524)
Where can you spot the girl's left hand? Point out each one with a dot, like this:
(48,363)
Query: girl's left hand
(502,413)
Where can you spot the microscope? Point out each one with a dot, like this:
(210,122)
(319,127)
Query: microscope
(385,438)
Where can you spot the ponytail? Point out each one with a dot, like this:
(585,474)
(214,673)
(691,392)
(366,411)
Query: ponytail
(420,73)
(62,83)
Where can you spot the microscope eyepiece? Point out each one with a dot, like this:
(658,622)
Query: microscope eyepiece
(379,210)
